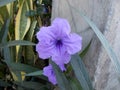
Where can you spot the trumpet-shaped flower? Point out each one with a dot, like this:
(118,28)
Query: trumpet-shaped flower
(57,42)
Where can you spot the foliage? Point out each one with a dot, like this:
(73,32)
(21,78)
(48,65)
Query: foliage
(18,59)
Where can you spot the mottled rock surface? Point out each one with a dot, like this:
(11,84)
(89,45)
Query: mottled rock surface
(106,77)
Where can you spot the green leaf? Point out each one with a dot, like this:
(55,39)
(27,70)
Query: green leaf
(83,53)
(61,79)
(31,85)
(1,24)
(15,43)
(29,52)
(103,40)
(2,69)
(22,24)
(4,14)
(17,68)
(4,31)
(8,59)
(75,84)
(21,67)
(16,75)
(4,2)
(30,33)
(10,9)
(4,84)
(7,54)
(36,73)
(80,72)
(30,4)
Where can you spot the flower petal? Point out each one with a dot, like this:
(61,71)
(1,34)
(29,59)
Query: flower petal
(60,56)
(73,43)
(62,67)
(62,27)
(53,80)
(44,51)
(46,42)
(45,33)
(48,71)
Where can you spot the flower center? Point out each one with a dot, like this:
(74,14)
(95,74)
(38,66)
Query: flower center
(52,72)
(59,43)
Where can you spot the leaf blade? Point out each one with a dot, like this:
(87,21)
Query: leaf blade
(3,83)
(31,85)
(29,52)
(4,2)
(61,79)
(4,31)
(36,73)
(83,53)
(15,43)
(21,67)
(22,22)
(80,72)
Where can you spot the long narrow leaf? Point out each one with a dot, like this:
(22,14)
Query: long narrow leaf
(83,53)
(21,67)
(81,72)
(61,79)
(7,54)
(31,85)
(22,24)
(16,42)
(75,84)
(15,74)
(4,84)
(29,52)
(4,2)
(4,14)
(102,39)
(4,31)
(36,73)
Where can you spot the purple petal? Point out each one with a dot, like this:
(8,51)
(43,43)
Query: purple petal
(60,56)
(48,71)
(62,67)
(45,33)
(53,80)
(62,27)
(46,42)
(44,51)
(73,43)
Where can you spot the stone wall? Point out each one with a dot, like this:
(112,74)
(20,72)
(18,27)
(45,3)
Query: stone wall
(106,15)
(106,76)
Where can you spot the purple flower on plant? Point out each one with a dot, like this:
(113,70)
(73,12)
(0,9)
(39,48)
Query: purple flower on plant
(49,72)
(57,42)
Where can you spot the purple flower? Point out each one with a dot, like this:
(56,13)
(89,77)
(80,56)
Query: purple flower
(57,42)
(49,72)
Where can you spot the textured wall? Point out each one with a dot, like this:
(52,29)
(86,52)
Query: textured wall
(106,15)
(106,77)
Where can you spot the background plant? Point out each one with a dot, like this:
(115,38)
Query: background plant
(19,21)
